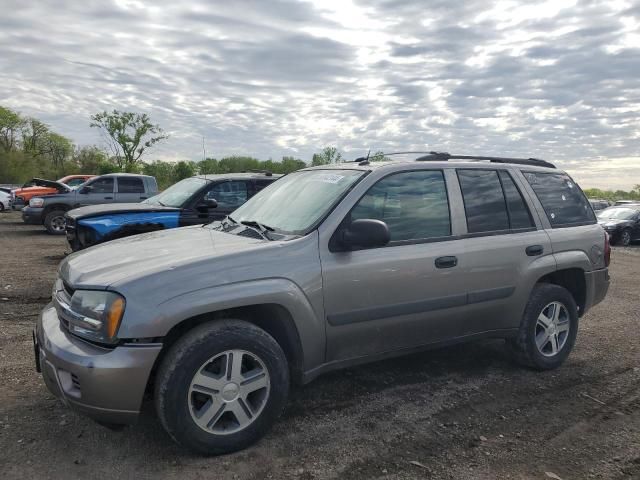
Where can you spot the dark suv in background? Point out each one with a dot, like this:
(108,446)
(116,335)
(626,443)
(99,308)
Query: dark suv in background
(622,223)
(192,201)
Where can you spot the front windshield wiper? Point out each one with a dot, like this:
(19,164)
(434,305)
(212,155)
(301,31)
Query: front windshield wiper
(254,224)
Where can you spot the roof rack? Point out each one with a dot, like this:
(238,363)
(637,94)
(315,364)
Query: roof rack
(444,156)
(268,173)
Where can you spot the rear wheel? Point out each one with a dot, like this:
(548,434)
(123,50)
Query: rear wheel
(221,386)
(548,328)
(54,222)
(625,238)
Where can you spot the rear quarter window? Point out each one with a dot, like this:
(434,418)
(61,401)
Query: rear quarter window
(563,201)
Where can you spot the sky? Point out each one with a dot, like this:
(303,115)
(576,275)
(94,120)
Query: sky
(553,79)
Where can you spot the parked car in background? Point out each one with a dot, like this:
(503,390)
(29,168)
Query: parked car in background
(622,223)
(112,188)
(38,187)
(626,202)
(192,201)
(326,268)
(598,205)
(5,200)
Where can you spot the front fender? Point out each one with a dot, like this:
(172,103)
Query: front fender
(138,323)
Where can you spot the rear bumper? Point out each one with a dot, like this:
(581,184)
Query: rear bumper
(597,283)
(32,216)
(105,384)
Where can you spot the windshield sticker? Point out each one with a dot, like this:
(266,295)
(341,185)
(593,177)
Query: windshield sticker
(327,178)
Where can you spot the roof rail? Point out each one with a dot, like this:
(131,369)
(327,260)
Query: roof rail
(268,173)
(444,156)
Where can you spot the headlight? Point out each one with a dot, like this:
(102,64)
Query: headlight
(96,315)
(36,202)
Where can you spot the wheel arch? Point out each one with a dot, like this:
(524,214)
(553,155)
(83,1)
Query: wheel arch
(273,318)
(573,279)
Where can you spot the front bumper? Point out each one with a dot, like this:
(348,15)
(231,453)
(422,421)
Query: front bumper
(105,384)
(17,203)
(32,216)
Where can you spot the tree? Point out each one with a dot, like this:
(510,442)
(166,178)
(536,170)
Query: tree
(379,157)
(11,124)
(89,159)
(183,170)
(328,156)
(129,135)
(34,133)
(57,148)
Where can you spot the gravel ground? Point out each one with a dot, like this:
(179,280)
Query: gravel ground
(464,412)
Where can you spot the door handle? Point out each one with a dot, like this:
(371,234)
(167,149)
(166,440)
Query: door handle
(534,250)
(143,198)
(446,262)
(108,198)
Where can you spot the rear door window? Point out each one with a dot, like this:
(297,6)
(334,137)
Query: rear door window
(484,202)
(519,215)
(562,200)
(130,185)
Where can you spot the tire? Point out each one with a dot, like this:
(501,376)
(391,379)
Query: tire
(625,238)
(181,402)
(53,224)
(525,347)
(1,207)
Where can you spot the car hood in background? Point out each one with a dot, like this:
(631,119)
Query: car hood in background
(39,182)
(612,222)
(147,253)
(115,208)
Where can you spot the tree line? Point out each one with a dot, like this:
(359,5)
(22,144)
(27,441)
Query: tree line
(30,148)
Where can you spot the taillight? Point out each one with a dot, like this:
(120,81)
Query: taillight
(607,250)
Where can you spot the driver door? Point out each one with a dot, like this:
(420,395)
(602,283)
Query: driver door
(101,191)
(228,194)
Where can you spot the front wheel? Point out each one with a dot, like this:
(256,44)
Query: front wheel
(54,222)
(548,328)
(221,386)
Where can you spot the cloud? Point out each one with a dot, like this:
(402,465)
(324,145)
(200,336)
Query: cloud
(555,79)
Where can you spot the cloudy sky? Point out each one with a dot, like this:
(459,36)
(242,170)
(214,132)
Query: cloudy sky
(556,79)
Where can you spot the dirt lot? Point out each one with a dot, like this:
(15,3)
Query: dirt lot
(464,412)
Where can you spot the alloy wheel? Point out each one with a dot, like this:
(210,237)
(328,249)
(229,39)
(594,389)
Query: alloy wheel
(552,329)
(58,224)
(228,392)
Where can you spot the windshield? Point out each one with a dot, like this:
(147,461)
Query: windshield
(293,204)
(617,213)
(177,194)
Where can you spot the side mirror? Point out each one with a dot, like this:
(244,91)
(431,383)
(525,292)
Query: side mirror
(365,233)
(208,203)
(85,190)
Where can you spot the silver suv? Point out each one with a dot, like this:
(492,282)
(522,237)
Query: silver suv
(326,268)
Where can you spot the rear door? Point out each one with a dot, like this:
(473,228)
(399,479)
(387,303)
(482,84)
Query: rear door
(102,190)
(130,190)
(502,241)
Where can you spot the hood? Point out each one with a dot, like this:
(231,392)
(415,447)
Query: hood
(39,182)
(100,266)
(612,222)
(113,208)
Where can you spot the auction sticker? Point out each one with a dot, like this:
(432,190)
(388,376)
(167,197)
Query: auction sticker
(327,178)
